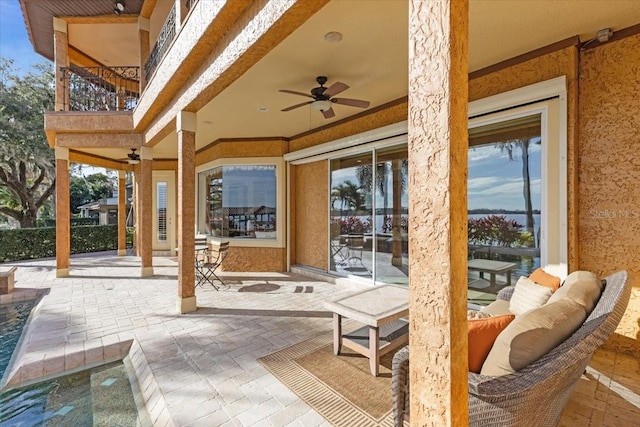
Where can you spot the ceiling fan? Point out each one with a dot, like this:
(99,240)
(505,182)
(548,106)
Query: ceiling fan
(133,157)
(323,98)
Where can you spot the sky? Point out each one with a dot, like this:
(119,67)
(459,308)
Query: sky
(495,181)
(14,41)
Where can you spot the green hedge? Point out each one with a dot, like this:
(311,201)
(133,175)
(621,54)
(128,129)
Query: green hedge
(74,222)
(33,243)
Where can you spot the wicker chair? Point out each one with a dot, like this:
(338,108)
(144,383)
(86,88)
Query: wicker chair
(537,394)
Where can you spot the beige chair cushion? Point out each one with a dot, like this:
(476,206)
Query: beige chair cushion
(582,287)
(532,335)
(528,295)
(498,307)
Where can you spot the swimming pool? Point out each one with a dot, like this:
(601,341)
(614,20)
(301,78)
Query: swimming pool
(101,396)
(13,317)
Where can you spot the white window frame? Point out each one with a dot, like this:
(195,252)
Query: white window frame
(549,99)
(278,162)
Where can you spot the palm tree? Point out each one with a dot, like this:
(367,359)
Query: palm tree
(523,144)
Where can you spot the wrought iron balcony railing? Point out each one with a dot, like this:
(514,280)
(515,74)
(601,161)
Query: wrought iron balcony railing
(166,36)
(100,88)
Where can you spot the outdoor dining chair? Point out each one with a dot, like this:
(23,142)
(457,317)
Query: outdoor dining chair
(208,260)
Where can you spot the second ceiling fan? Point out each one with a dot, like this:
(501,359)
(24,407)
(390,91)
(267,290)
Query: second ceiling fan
(323,98)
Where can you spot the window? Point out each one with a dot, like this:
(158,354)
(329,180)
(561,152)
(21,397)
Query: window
(517,189)
(239,201)
(504,198)
(161,207)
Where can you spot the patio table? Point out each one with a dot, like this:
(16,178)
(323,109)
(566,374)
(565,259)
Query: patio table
(493,268)
(380,308)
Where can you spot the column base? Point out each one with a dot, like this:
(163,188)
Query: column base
(122,252)
(186,305)
(146,272)
(62,272)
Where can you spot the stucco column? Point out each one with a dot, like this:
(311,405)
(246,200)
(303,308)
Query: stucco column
(122,213)
(61,59)
(136,209)
(63,212)
(437,121)
(186,129)
(143,50)
(145,214)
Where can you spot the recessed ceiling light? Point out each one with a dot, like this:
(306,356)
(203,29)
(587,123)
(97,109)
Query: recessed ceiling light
(333,37)
(263,109)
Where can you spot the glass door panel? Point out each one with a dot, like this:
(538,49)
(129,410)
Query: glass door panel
(504,204)
(391,225)
(351,219)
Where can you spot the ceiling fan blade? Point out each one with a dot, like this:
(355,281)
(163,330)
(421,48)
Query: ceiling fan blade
(328,113)
(335,89)
(293,92)
(297,105)
(351,102)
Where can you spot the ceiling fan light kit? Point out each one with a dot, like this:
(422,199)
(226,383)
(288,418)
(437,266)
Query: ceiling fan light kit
(321,105)
(323,98)
(118,7)
(133,157)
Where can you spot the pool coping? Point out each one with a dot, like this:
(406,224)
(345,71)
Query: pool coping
(24,369)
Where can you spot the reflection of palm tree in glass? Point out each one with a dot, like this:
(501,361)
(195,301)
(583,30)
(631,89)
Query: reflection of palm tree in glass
(365,178)
(349,195)
(523,144)
(399,168)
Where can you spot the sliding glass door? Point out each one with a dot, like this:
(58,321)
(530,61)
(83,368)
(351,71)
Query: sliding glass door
(368,215)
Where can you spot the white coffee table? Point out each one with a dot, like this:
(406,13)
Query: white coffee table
(493,268)
(380,308)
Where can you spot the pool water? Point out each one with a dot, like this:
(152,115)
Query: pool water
(100,396)
(13,317)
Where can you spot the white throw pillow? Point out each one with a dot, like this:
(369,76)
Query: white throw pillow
(528,295)
(475,314)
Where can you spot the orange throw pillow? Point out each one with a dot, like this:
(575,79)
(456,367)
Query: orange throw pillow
(543,278)
(482,333)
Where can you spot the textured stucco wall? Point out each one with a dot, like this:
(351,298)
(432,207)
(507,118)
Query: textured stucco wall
(563,62)
(609,135)
(241,148)
(311,194)
(255,259)
(387,116)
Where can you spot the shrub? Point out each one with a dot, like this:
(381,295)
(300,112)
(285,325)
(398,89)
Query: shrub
(33,243)
(494,230)
(349,225)
(50,222)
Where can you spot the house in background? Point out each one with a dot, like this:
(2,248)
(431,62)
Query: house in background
(106,211)
(428,110)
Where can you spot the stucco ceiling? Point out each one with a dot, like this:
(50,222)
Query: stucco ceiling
(372,57)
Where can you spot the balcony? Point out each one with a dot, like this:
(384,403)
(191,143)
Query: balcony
(100,88)
(166,36)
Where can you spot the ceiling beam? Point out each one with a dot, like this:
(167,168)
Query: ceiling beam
(101,19)
(99,140)
(98,161)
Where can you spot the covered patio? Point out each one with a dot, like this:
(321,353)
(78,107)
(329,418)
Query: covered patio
(203,367)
